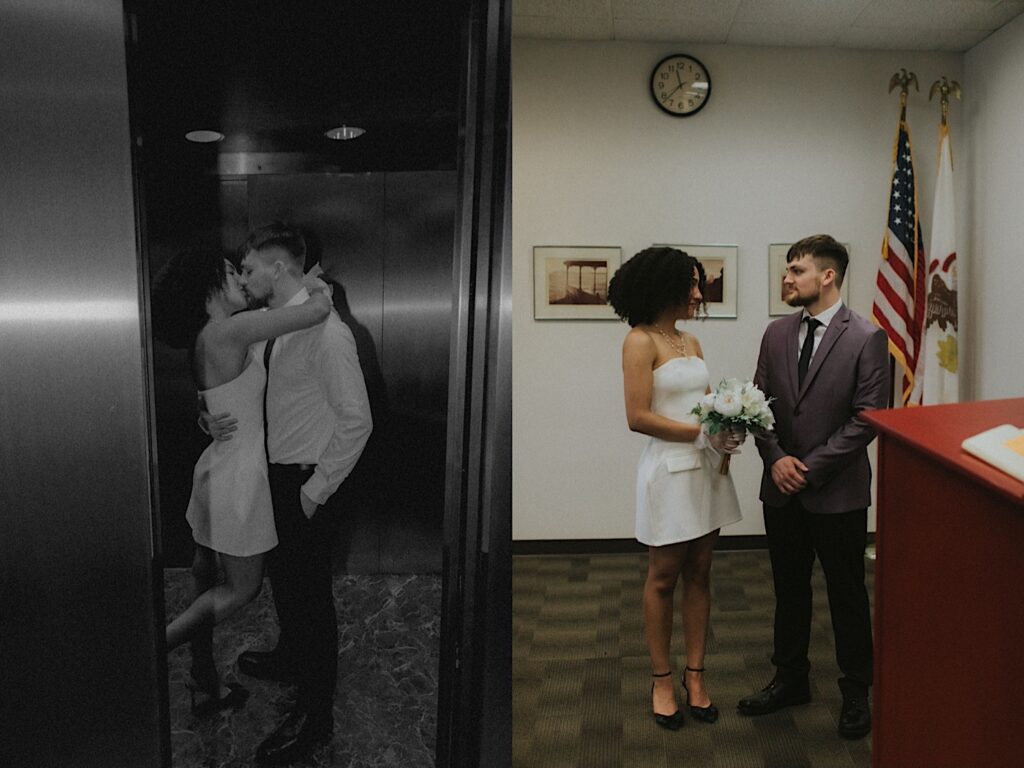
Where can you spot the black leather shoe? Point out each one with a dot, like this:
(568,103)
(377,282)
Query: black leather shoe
(296,738)
(855,718)
(776,695)
(266,665)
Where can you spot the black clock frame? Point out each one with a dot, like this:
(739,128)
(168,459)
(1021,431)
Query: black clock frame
(654,72)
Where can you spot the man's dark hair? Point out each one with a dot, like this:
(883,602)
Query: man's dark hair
(651,282)
(180,291)
(826,252)
(282,235)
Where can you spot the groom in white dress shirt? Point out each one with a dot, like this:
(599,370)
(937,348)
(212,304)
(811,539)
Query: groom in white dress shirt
(318,422)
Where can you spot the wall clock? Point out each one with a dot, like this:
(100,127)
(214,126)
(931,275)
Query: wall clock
(680,85)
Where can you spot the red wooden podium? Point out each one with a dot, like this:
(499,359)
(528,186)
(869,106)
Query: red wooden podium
(949,592)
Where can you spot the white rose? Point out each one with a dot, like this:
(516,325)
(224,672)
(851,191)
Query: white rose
(728,404)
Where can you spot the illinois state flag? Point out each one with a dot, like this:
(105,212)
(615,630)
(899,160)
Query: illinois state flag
(937,379)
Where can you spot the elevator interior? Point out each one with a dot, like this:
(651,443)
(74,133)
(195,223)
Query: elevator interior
(81,227)
(379,211)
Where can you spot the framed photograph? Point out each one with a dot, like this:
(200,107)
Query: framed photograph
(720,264)
(777,268)
(570,282)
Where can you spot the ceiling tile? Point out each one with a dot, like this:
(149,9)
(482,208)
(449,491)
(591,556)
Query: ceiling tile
(562,8)
(939,14)
(671,30)
(800,12)
(552,28)
(699,10)
(783,35)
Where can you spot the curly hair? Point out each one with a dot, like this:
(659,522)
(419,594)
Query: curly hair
(180,291)
(652,281)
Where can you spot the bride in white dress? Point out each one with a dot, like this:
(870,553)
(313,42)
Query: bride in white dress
(196,305)
(682,500)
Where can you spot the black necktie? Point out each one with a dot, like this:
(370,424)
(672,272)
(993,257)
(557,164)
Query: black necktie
(806,350)
(266,365)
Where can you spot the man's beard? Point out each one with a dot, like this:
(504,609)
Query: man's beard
(796,300)
(255,303)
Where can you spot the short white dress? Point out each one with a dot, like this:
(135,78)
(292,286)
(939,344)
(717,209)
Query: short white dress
(680,494)
(230,509)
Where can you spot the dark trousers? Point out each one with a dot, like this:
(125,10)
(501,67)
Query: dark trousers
(301,579)
(795,536)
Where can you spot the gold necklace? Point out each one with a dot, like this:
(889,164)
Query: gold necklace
(679,346)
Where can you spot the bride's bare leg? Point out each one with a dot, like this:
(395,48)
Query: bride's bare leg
(663,569)
(696,610)
(243,579)
(204,577)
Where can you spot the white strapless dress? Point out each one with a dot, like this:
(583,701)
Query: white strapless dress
(230,509)
(680,495)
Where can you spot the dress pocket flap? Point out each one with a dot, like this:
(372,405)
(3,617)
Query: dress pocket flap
(681,462)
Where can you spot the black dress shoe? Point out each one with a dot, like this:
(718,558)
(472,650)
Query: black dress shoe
(855,718)
(209,702)
(296,738)
(776,695)
(266,665)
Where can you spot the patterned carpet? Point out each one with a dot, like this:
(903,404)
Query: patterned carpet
(581,675)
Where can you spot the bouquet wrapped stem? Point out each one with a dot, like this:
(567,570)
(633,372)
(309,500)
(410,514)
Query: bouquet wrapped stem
(734,406)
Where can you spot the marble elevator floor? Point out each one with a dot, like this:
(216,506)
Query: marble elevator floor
(385,709)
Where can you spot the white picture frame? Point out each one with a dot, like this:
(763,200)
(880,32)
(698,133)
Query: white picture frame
(570,282)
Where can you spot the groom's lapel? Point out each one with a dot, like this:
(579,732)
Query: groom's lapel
(835,329)
(791,338)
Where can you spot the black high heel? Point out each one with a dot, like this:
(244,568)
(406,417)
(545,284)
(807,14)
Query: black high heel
(210,701)
(672,722)
(708,714)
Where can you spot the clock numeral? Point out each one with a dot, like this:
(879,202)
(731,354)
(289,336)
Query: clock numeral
(689,102)
(664,75)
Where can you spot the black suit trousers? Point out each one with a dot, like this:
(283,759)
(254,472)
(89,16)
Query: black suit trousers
(795,536)
(301,578)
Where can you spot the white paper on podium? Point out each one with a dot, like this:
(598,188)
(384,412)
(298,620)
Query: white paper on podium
(1002,447)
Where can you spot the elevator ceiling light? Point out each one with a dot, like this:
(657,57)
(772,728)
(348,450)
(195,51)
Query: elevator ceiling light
(204,137)
(344,133)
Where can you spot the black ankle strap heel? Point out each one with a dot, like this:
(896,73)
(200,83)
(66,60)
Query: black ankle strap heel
(708,714)
(674,721)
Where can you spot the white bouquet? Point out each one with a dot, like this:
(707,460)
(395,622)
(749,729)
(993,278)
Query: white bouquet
(735,405)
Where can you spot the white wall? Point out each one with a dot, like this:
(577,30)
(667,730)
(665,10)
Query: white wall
(792,142)
(994,260)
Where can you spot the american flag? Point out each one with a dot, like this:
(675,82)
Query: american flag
(900,286)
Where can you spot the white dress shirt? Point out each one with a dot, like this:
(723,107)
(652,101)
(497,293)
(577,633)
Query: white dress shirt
(317,408)
(822,317)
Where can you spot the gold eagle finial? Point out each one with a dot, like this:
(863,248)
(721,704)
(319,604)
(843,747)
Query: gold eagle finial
(903,79)
(944,87)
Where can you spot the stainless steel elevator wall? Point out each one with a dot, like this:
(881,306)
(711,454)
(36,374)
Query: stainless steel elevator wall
(78,663)
(386,240)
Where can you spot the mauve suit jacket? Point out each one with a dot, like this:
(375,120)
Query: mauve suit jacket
(818,423)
